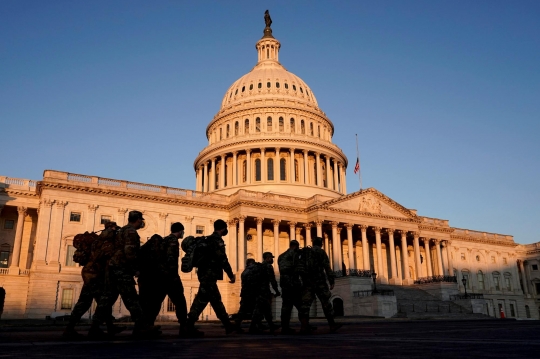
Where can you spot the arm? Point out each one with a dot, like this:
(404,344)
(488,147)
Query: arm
(328,270)
(225,261)
(172,253)
(132,243)
(272,278)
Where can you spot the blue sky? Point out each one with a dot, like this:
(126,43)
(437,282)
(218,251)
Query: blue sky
(444,95)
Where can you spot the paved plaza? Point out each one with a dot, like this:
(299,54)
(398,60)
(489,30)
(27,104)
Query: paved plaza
(359,338)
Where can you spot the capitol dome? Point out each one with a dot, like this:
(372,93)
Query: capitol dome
(269,135)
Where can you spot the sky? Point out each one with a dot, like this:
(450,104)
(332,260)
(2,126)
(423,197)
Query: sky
(444,95)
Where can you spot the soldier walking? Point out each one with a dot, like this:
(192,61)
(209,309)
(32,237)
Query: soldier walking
(121,269)
(290,285)
(210,270)
(159,278)
(315,273)
(247,294)
(263,299)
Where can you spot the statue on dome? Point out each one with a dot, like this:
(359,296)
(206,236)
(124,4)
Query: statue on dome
(267,18)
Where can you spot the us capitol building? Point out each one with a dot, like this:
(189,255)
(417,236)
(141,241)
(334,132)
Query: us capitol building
(272,171)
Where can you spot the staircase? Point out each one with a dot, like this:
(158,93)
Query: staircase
(414,303)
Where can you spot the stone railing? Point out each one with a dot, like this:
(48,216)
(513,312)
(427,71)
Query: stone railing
(436,279)
(353,273)
(467,233)
(467,296)
(19,183)
(435,222)
(4,271)
(268,198)
(369,293)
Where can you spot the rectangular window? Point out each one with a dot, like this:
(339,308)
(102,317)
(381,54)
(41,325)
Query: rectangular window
(497,284)
(512,310)
(170,305)
(67,298)
(507,283)
(4,257)
(535,267)
(105,219)
(199,230)
(462,256)
(505,261)
(69,256)
(492,259)
(9,224)
(75,217)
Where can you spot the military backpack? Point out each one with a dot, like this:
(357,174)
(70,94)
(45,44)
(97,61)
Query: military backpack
(150,252)
(83,245)
(194,249)
(305,264)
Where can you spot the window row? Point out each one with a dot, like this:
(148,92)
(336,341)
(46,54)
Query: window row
(277,85)
(481,279)
(77,218)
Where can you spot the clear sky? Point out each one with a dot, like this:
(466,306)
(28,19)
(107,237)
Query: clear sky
(444,95)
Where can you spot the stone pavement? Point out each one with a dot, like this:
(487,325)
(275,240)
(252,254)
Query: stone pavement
(359,338)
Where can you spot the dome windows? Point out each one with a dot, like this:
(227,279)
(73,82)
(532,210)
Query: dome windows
(286,86)
(293,128)
(260,85)
(294,87)
(257,124)
(246,126)
(282,169)
(268,84)
(243,88)
(227,132)
(281,124)
(235,92)
(302,91)
(311,128)
(277,85)
(270,169)
(250,87)
(236,128)
(257,169)
(302,127)
(269,124)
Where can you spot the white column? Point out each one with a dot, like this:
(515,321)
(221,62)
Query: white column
(365,247)
(449,258)
(241,243)
(235,169)
(328,173)
(43,232)
(344,180)
(417,261)
(393,264)
(213,175)
(380,270)
(335,246)
(428,257)
(121,216)
(205,177)
(292,231)
(53,250)
(91,220)
(307,228)
(405,258)
(197,179)
(444,250)
(523,277)
(259,238)
(327,247)
(439,256)
(264,169)
(299,236)
(318,166)
(248,167)
(306,169)
(233,244)
(277,251)
(319,223)
(163,218)
(15,257)
(291,167)
(222,172)
(277,166)
(336,181)
(349,227)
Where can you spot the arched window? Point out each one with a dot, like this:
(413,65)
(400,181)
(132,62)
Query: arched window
(302,127)
(267,54)
(296,173)
(281,124)
(270,169)
(283,169)
(244,171)
(235,92)
(508,281)
(216,179)
(286,86)
(311,128)
(277,85)
(293,129)
(497,280)
(315,173)
(236,127)
(294,87)
(259,85)
(246,126)
(324,176)
(257,125)
(302,91)
(220,133)
(269,124)
(257,169)
(243,88)
(250,87)
(268,84)
(225,171)
(480,278)
(319,131)
(227,134)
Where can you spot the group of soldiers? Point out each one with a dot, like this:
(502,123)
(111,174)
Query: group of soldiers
(116,258)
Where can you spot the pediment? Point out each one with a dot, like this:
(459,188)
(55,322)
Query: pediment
(371,201)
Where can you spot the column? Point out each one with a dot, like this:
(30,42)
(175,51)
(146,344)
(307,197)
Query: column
(277,252)
(328,173)
(248,166)
(205,177)
(349,227)
(449,258)
(336,181)
(307,227)
(365,248)
(241,243)
(233,244)
(277,166)
(53,250)
(91,221)
(212,180)
(43,231)
(444,253)
(235,169)
(222,173)
(335,246)
(393,264)
(292,175)
(292,230)
(439,256)
(259,239)
(327,247)
(344,180)
(15,257)
(306,169)
(417,261)
(121,216)
(163,218)
(318,166)
(198,178)
(298,236)
(405,258)
(264,169)
(523,277)
(428,257)
(319,223)
(380,270)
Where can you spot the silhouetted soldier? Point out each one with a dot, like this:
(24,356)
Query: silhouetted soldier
(290,283)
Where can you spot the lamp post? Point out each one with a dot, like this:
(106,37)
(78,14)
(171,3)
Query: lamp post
(374,276)
(464,281)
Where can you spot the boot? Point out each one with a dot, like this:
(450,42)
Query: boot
(70,333)
(305,328)
(145,330)
(95,332)
(254,328)
(273,327)
(333,325)
(238,325)
(112,329)
(229,327)
(285,326)
(191,331)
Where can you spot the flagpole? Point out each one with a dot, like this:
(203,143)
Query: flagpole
(358,159)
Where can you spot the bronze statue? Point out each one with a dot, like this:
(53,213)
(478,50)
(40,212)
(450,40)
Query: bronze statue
(267,18)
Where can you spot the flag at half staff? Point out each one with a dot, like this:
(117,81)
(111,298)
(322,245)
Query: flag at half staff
(357,166)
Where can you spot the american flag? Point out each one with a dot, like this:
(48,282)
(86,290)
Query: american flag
(357,166)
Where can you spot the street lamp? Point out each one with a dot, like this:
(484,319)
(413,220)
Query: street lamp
(374,276)
(464,281)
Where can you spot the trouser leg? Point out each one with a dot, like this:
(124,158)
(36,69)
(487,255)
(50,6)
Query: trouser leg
(175,291)
(201,300)
(83,304)
(324,294)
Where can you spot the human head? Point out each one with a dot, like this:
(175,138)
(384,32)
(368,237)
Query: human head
(135,218)
(294,244)
(268,257)
(317,241)
(177,229)
(221,227)
(250,261)
(112,225)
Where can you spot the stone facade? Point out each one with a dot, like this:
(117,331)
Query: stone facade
(271,170)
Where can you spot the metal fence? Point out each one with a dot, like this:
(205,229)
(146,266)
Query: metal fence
(369,293)
(467,296)
(436,279)
(431,308)
(353,273)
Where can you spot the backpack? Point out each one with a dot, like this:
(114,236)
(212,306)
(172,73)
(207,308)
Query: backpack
(83,245)
(150,252)
(287,263)
(194,248)
(304,266)
(105,248)
(254,276)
